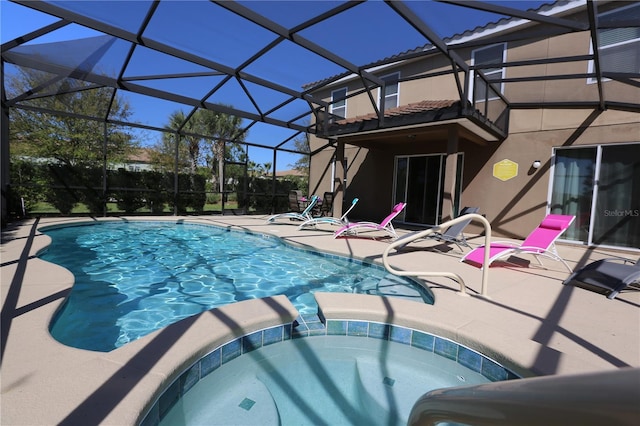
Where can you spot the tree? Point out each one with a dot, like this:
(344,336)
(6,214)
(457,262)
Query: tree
(258,170)
(189,144)
(67,138)
(223,128)
(302,163)
(215,129)
(163,154)
(205,131)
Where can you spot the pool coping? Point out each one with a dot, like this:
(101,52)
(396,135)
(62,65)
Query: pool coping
(45,382)
(449,325)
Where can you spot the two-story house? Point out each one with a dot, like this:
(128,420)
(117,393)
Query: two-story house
(494,122)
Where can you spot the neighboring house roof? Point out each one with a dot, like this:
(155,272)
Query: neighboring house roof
(292,172)
(142,155)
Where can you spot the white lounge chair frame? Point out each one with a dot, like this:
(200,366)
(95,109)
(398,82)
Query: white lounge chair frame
(304,216)
(385,225)
(341,221)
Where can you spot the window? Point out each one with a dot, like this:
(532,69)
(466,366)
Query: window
(619,47)
(601,186)
(391,91)
(339,102)
(487,56)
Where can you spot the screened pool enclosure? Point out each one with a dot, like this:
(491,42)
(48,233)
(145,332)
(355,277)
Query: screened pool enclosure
(112,107)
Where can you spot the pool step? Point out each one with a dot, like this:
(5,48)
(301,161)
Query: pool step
(246,401)
(391,285)
(316,391)
(391,392)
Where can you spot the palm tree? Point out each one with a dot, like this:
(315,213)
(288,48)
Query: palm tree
(218,126)
(256,169)
(222,128)
(177,122)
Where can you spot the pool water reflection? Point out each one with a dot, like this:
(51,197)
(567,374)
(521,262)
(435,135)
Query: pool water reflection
(132,278)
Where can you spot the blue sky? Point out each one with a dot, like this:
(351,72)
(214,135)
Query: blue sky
(374,32)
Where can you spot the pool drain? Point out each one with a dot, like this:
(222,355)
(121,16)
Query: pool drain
(246,404)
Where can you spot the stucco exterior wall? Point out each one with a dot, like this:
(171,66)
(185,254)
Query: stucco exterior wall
(515,206)
(437,87)
(432,88)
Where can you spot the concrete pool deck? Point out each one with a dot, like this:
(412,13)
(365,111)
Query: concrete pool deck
(529,322)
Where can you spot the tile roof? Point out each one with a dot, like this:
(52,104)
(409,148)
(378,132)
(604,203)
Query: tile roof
(403,110)
(427,111)
(545,8)
(418,113)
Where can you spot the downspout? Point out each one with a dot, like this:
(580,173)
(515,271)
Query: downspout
(104,171)
(4,149)
(175,176)
(273,183)
(338,197)
(595,43)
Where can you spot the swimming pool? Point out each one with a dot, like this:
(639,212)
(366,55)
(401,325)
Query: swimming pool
(136,277)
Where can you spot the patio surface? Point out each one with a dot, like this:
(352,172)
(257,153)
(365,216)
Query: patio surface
(530,322)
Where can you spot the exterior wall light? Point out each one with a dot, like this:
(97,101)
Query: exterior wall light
(536,164)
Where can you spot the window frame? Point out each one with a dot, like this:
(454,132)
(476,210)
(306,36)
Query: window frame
(591,64)
(395,76)
(332,107)
(502,71)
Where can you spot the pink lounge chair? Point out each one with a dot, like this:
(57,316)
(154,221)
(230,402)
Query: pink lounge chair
(385,225)
(540,242)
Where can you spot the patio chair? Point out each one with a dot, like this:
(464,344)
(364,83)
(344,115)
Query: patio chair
(302,216)
(385,226)
(609,275)
(341,221)
(326,207)
(540,242)
(295,196)
(452,234)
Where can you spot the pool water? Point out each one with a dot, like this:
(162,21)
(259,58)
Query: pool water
(324,380)
(132,278)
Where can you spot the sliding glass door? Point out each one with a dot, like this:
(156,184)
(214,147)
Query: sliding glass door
(572,193)
(419,181)
(617,212)
(601,187)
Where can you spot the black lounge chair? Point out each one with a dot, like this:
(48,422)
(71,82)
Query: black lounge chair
(326,207)
(295,196)
(607,275)
(452,234)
